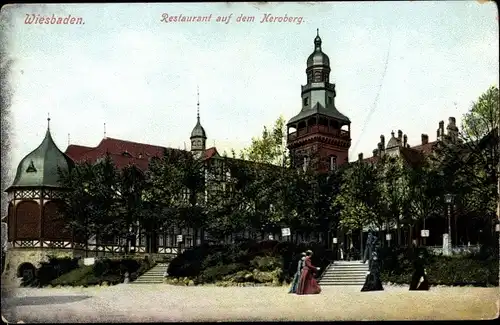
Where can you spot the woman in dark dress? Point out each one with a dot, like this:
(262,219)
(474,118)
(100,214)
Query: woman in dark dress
(373,282)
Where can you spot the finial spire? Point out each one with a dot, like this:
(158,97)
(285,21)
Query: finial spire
(317,32)
(198,103)
(104,130)
(48,121)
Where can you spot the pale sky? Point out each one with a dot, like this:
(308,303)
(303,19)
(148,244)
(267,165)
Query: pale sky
(126,68)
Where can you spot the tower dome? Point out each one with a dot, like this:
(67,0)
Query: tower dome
(40,167)
(318,57)
(198,135)
(198,131)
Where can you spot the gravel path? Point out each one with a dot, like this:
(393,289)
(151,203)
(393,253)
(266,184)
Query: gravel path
(164,303)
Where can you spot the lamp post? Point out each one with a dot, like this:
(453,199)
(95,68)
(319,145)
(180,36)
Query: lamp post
(449,200)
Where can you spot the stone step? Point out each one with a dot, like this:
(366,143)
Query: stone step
(343,284)
(343,281)
(343,277)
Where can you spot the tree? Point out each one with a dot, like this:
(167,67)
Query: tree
(472,164)
(270,148)
(192,178)
(164,190)
(394,190)
(130,205)
(89,199)
(359,198)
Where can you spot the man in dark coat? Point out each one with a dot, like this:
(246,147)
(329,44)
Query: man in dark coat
(419,278)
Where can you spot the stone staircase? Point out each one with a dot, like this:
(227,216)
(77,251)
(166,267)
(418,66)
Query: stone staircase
(343,273)
(153,275)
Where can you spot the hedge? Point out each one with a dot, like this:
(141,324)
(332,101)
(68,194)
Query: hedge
(479,269)
(104,271)
(250,260)
(48,271)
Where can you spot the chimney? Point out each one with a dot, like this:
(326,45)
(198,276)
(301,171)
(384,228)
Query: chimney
(382,141)
(400,135)
(360,156)
(441,130)
(405,141)
(375,152)
(452,121)
(425,138)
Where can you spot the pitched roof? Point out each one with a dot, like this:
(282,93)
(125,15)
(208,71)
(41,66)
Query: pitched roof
(41,166)
(413,155)
(123,152)
(319,109)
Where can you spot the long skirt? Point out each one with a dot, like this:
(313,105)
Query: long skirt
(372,283)
(308,284)
(295,283)
(419,281)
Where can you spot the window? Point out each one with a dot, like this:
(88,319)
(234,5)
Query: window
(31,168)
(317,76)
(306,101)
(333,162)
(330,100)
(306,162)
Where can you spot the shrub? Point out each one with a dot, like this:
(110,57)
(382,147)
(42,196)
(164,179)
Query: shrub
(478,269)
(54,268)
(107,267)
(189,263)
(266,263)
(106,270)
(218,272)
(73,277)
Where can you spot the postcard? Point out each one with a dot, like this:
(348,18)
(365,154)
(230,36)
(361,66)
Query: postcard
(259,161)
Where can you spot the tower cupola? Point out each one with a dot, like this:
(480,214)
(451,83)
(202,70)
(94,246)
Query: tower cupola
(198,135)
(40,168)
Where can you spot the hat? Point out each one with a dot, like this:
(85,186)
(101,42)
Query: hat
(303,253)
(309,251)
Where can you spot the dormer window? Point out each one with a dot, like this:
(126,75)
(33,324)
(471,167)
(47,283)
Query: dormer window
(31,168)
(140,156)
(126,154)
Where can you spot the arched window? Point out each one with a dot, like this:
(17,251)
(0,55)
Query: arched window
(317,76)
(333,162)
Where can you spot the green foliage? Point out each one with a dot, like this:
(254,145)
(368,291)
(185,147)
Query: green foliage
(111,271)
(73,278)
(483,117)
(441,270)
(270,148)
(358,200)
(218,272)
(264,261)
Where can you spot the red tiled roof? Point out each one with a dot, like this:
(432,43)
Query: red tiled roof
(425,148)
(210,152)
(74,150)
(412,156)
(123,152)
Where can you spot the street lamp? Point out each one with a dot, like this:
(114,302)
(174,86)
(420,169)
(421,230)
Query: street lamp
(449,200)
